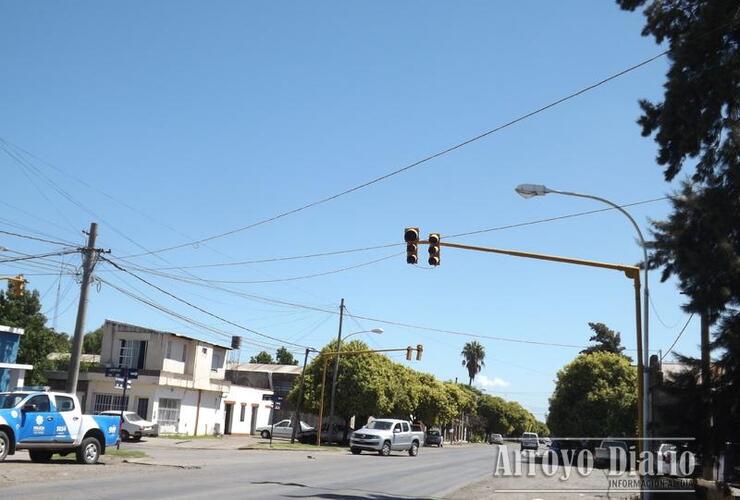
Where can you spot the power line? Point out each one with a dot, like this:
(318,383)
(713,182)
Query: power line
(40,256)
(28,237)
(677,337)
(204,311)
(417,163)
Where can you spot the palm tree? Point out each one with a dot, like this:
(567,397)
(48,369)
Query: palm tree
(473,354)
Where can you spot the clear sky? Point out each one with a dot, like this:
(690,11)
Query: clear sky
(206,116)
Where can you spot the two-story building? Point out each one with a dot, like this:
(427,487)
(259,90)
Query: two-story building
(181,383)
(12,374)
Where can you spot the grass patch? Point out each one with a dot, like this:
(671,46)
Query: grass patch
(112,451)
(185,437)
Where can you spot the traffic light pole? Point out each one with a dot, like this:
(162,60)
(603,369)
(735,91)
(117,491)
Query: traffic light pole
(88,265)
(632,272)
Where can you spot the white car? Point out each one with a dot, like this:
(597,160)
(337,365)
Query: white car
(675,460)
(282,429)
(530,441)
(134,427)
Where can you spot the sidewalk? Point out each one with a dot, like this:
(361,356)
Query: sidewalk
(196,442)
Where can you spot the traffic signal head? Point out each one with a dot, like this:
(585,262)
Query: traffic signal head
(434,248)
(411,237)
(17,286)
(409,350)
(419,350)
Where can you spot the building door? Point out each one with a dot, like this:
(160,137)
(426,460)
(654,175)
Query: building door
(227,422)
(253,421)
(142,407)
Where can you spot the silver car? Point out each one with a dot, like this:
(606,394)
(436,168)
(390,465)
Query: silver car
(134,427)
(282,429)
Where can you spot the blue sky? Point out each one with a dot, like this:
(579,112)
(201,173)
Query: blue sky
(204,117)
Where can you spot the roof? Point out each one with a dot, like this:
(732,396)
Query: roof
(140,329)
(264,368)
(10,329)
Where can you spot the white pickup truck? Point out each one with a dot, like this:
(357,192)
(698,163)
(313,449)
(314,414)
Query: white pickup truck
(386,435)
(45,423)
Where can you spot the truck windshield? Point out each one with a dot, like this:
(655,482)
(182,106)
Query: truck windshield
(380,425)
(11,400)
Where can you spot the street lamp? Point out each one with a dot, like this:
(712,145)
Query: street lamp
(374,330)
(531,190)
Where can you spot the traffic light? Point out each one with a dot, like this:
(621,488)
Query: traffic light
(411,237)
(409,350)
(434,239)
(17,286)
(419,350)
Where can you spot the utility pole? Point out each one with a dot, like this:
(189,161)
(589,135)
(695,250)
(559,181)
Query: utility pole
(336,369)
(706,392)
(297,415)
(87,267)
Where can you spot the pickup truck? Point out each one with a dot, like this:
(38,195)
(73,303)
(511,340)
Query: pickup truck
(386,435)
(45,423)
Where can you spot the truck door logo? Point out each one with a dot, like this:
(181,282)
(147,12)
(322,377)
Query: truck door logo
(39,420)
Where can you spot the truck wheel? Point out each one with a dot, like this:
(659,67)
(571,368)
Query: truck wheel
(265,434)
(386,449)
(4,445)
(40,456)
(414,450)
(89,451)
(355,451)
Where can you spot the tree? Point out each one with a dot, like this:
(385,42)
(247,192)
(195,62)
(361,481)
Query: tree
(93,341)
(473,354)
(262,357)
(285,357)
(38,341)
(595,395)
(607,340)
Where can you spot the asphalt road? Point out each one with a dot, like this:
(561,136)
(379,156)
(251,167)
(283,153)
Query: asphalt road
(257,474)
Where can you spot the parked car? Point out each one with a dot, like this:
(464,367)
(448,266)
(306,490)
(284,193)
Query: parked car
(45,423)
(282,429)
(496,439)
(386,435)
(676,459)
(134,427)
(337,433)
(546,441)
(530,441)
(434,438)
(608,449)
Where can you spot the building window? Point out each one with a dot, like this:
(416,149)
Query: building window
(184,353)
(168,413)
(106,402)
(169,349)
(217,361)
(132,353)
(243,412)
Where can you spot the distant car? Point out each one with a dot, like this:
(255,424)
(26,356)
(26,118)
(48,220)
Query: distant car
(530,441)
(282,429)
(496,439)
(546,441)
(675,460)
(434,438)
(608,449)
(134,427)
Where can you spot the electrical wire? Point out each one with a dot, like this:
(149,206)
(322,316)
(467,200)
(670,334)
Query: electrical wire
(660,320)
(39,256)
(25,236)
(198,308)
(414,164)
(677,338)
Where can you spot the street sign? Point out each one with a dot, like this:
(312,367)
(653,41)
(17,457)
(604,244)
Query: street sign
(276,405)
(119,382)
(133,373)
(113,372)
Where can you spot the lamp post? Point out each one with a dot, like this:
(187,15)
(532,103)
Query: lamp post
(336,367)
(531,190)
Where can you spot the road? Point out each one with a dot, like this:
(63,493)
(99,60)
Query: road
(256,474)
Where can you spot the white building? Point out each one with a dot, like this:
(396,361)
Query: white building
(181,384)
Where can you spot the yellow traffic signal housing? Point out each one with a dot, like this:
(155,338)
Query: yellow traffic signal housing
(434,249)
(17,286)
(419,350)
(409,350)
(411,237)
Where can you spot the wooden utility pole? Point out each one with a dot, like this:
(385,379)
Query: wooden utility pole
(336,369)
(88,264)
(297,415)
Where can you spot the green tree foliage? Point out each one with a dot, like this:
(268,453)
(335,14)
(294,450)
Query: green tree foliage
(262,357)
(473,354)
(606,339)
(93,341)
(285,357)
(595,395)
(38,341)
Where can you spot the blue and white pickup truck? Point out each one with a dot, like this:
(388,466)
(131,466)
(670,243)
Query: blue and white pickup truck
(45,423)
